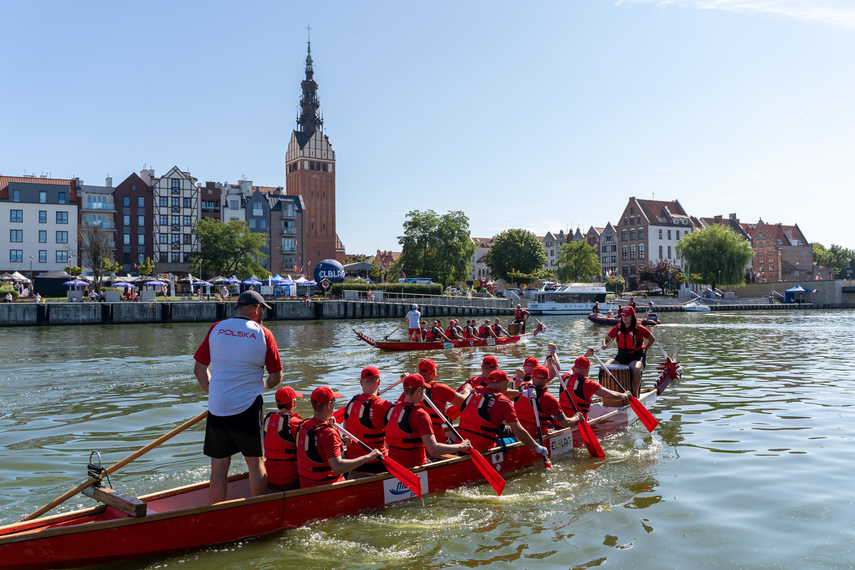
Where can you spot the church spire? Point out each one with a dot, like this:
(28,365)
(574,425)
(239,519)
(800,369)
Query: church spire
(310,120)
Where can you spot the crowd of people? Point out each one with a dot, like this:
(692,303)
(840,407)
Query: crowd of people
(283,451)
(419,331)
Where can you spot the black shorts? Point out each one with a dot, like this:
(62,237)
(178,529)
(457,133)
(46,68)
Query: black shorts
(626,357)
(241,433)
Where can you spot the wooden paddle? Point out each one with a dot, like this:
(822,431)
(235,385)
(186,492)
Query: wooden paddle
(546,463)
(401,473)
(339,413)
(393,332)
(115,467)
(486,470)
(643,414)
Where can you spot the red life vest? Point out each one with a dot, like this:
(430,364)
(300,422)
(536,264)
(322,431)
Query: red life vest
(312,468)
(628,342)
(280,448)
(364,418)
(483,331)
(405,447)
(576,386)
(435,333)
(475,420)
(525,413)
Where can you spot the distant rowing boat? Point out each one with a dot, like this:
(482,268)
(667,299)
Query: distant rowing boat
(599,319)
(444,345)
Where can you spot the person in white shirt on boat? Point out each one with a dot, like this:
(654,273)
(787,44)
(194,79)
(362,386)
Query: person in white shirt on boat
(412,319)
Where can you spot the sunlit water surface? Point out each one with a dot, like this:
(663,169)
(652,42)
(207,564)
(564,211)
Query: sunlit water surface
(751,465)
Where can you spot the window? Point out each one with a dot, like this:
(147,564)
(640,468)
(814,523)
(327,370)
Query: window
(164,202)
(669,252)
(61,237)
(42,236)
(126,201)
(141,221)
(623,235)
(187,258)
(289,244)
(187,239)
(175,257)
(176,184)
(16,255)
(632,210)
(641,251)
(163,238)
(669,237)
(163,257)
(632,252)
(140,239)
(126,239)
(126,220)
(42,256)
(660,236)
(640,233)
(16,216)
(632,234)
(187,203)
(187,221)
(42,216)
(677,234)
(257,209)
(252,223)
(624,253)
(16,235)
(62,217)
(176,203)
(660,250)
(233,205)
(16,195)
(141,202)
(176,239)
(42,197)
(61,256)
(164,220)
(632,220)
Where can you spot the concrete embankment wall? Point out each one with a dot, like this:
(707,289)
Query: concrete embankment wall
(24,313)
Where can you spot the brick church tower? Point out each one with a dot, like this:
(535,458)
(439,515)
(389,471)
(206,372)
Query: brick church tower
(310,173)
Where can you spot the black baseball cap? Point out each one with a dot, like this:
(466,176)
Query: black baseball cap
(251,298)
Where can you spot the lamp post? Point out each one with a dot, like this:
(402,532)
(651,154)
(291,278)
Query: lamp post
(32,283)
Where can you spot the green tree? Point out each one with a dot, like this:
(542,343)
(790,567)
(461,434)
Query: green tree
(434,246)
(837,258)
(616,284)
(717,253)
(516,256)
(229,248)
(663,273)
(73,270)
(578,262)
(147,267)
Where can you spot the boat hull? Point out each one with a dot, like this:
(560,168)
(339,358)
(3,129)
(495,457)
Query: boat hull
(612,321)
(181,519)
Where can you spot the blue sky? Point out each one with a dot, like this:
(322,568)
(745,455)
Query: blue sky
(540,115)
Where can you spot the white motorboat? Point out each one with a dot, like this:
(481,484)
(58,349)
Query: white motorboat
(695,307)
(573,299)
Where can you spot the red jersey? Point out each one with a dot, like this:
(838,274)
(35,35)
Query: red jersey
(485,411)
(408,422)
(547,407)
(631,341)
(582,393)
(365,416)
(317,442)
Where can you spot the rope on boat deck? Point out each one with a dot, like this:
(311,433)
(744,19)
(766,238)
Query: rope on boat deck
(96,471)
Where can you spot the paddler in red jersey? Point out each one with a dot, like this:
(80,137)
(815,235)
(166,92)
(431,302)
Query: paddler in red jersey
(452,331)
(319,446)
(523,375)
(409,434)
(548,408)
(365,417)
(486,330)
(441,395)
(582,388)
(280,441)
(488,365)
(633,341)
(488,415)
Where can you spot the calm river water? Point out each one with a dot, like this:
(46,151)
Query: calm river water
(751,465)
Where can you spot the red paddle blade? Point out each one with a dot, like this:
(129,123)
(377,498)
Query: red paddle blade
(487,471)
(643,414)
(339,415)
(594,447)
(404,475)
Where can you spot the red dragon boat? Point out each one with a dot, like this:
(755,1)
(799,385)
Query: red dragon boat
(435,345)
(182,519)
(599,319)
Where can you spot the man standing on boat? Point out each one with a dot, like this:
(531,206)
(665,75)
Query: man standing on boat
(412,320)
(237,350)
(489,415)
(319,446)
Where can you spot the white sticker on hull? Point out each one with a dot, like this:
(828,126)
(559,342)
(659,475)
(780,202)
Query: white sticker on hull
(491,342)
(394,490)
(560,445)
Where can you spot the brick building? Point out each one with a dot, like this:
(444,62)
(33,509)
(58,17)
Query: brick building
(781,253)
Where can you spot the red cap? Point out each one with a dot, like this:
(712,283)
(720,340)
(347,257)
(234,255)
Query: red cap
(582,362)
(369,373)
(531,361)
(415,381)
(286,394)
(323,395)
(427,366)
(627,311)
(490,360)
(540,373)
(498,376)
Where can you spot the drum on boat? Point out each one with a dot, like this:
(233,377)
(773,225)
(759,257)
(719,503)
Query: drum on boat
(514,329)
(623,375)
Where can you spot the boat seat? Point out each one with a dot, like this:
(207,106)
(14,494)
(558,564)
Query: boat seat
(124,503)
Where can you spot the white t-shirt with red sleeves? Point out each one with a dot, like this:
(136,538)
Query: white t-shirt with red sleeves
(238,351)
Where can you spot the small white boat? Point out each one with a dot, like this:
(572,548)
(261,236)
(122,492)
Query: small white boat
(695,307)
(574,299)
